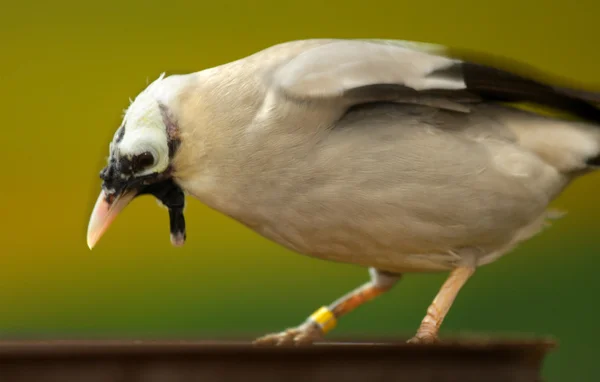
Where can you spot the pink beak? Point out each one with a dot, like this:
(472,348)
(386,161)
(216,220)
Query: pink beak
(104,214)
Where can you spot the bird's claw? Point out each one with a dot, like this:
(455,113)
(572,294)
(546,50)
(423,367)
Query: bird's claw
(423,339)
(303,335)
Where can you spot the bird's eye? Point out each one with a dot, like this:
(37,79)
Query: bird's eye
(142,161)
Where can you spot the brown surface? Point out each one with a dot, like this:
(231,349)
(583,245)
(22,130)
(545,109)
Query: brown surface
(207,361)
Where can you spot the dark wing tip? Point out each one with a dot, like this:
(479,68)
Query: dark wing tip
(500,79)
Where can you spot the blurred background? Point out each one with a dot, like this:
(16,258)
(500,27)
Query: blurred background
(67,71)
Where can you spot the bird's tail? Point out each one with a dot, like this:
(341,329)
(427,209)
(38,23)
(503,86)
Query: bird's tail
(570,139)
(592,98)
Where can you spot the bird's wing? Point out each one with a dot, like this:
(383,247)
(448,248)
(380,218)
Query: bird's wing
(349,72)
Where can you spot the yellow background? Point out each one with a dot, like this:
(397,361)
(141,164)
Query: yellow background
(67,71)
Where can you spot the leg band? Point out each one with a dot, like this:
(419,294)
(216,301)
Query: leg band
(324,318)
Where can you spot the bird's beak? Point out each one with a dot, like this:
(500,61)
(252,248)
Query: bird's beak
(104,213)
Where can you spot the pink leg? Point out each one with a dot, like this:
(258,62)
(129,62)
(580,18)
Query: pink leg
(430,326)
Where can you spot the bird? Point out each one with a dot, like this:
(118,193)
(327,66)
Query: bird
(391,155)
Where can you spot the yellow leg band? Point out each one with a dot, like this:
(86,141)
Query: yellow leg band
(324,318)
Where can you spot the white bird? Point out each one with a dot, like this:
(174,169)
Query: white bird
(396,156)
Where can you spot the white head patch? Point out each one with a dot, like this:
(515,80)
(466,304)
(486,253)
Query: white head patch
(145,128)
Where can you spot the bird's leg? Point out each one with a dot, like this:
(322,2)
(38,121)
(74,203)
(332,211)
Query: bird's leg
(325,319)
(430,326)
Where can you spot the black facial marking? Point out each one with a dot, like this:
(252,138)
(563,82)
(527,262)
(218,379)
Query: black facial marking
(119,134)
(120,175)
(125,166)
(141,161)
(116,173)
(172,197)
(112,182)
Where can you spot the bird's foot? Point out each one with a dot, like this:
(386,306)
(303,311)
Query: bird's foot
(423,339)
(303,335)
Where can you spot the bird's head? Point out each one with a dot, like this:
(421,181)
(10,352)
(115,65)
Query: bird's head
(139,163)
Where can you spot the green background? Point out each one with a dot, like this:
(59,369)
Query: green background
(67,71)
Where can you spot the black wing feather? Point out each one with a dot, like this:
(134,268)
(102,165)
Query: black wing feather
(498,85)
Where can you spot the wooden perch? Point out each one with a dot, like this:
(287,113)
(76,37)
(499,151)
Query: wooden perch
(207,361)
